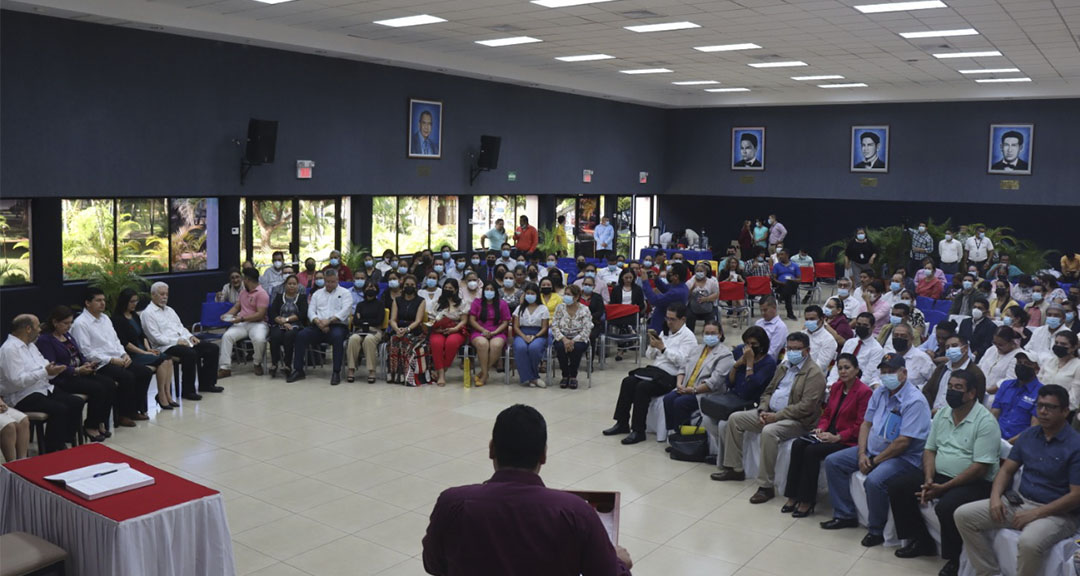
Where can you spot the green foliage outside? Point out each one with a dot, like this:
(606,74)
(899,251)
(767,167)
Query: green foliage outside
(141,232)
(14,260)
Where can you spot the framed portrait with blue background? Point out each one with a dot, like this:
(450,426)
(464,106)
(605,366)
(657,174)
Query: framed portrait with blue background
(870,149)
(1011,148)
(425,129)
(748,148)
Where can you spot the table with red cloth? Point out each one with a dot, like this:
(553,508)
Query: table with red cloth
(174,527)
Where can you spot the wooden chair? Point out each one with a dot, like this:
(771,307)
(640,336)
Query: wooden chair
(37,428)
(27,555)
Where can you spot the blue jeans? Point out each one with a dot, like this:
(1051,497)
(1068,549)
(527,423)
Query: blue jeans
(678,408)
(528,356)
(312,335)
(839,467)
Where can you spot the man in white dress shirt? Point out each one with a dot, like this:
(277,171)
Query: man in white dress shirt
(97,339)
(950,251)
(24,383)
(773,325)
(822,344)
(669,352)
(918,363)
(848,298)
(167,333)
(866,349)
(980,250)
(274,276)
(328,311)
(1042,338)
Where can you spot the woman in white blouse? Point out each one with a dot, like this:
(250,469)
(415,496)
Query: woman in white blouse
(430,291)
(999,361)
(471,289)
(1062,367)
(530,336)
(570,333)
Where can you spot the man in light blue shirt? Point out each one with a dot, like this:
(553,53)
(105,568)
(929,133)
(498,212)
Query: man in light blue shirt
(495,237)
(604,234)
(891,442)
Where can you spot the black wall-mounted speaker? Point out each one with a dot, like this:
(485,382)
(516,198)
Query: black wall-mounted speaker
(262,141)
(489,152)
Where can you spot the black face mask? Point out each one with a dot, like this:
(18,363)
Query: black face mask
(410,290)
(371,294)
(954,398)
(581,264)
(863,332)
(490,262)
(545,290)
(309,267)
(1060,351)
(902,345)
(1024,373)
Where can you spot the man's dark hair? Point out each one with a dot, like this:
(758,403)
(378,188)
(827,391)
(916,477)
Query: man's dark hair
(872,136)
(799,337)
(431,118)
(1056,391)
(815,309)
(92,292)
(958,336)
(276,254)
(947,325)
(748,137)
(878,285)
(1013,134)
(767,301)
(251,274)
(869,316)
(519,437)
(678,308)
(980,300)
(904,308)
(678,270)
(970,382)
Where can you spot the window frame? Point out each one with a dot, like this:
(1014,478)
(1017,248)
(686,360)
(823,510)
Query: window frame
(433,204)
(248,228)
(30,281)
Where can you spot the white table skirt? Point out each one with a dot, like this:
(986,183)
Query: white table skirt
(191,539)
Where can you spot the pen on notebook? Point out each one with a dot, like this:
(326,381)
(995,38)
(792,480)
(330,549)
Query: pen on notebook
(103,473)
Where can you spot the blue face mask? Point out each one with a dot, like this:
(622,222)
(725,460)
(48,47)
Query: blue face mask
(648,263)
(1007,320)
(590,274)
(711,340)
(359,283)
(369,263)
(489,294)
(967,284)
(438,268)
(550,264)
(890,381)
(954,354)
(1053,322)
(402,269)
(393,284)
(460,265)
(894,286)
(811,325)
(567,299)
(843,292)
(508,283)
(320,282)
(445,255)
(530,298)
(828,312)
(894,319)
(475,261)
(861,236)
(1069,317)
(334,261)
(505,253)
(613,267)
(1036,296)
(430,282)
(795,357)
(587,290)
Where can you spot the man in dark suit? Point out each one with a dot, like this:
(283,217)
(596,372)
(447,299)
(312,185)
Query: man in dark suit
(1012,142)
(979,329)
(957,359)
(748,144)
(422,142)
(869,142)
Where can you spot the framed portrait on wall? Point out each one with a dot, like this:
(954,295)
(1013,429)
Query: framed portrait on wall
(425,129)
(748,148)
(870,149)
(1011,148)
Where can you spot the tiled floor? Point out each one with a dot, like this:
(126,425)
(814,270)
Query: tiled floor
(339,480)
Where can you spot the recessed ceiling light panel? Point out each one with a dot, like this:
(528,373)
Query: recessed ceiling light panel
(819,77)
(785,64)
(647,71)
(899,6)
(565,3)
(497,42)
(718,90)
(941,33)
(727,47)
(847,85)
(983,54)
(665,27)
(990,71)
(411,21)
(695,82)
(273,1)
(584,58)
(1000,80)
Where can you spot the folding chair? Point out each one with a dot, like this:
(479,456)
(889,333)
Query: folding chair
(943,306)
(757,287)
(933,317)
(587,360)
(210,325)
(825,272)
(629,341)
(808,284)
(730,293)
(923,303)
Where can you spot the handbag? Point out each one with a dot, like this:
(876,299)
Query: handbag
(722,406)
(692,447)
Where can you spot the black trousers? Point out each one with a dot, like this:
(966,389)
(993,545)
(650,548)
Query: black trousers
(787,291)
(805,468)
(201,359)
(909,522)
(101,395)
(569,362)
(131,386)
(693,317)
(637,392)
(65,412)
(281,338)
(312,335)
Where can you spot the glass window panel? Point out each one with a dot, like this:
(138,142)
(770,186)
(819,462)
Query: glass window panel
(384,224)
(318,225)
(271,229)
(15,265)
(566,207)
(444,225)
(481,214)
(643,222)
(531,206)
(142,237)
(87,236)
(624,210)
(414,221)
(189,233)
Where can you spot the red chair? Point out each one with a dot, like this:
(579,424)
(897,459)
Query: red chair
(825,272)
(808,283)
(757,287)
(732,300)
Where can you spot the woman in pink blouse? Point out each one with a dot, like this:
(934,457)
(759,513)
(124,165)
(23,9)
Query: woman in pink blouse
(489,317)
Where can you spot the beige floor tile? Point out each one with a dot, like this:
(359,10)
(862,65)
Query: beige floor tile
(254,477)
(349,556)
(408,459)
(904,567)
(268,447)
(882,555)
(666,561)
(411,567)
(245,513)
(695,501)
(213,462)
(311,461)
(782,555)
(287,537)
(248,560)
(358,476)
(362,446)
(739,513)
(229,434)
(279,569)
(631,486)
(410,492)
(301,494)
(808,531)
(353,512)
(652,524)
(398,533)
(721,542)
(456,473)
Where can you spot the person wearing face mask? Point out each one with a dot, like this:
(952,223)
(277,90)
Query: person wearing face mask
(604,235)
(835,323)
(1002,299)
(999,361)
(387,263)
(531,320)
(962,301)
(771,323)
(532,274)
(951,251)
(597,307)
(758,265)
(958,466)
(957,355)
(704,372)
(526,237)
(1014,403)
(860,253)
(704,292)
(454,268)
(506,256)
(919,365)
(785,278)
(929,280)
(549,263)
(891,441)
(274,275)
(487,270)
(627,291)
(864,347)
(1072,321)
(777,233)
(891,295)
(329,311)
(408,346)
(430,291)
(521,276)
(935,344)
(922,245)
(571,326)
(489,318)
(823,347)
(1042,338)
(674,292)
(393,289)
(609,274)
(875,304)
(447,335)
(359,282)
(1036,307)
(1016,318)
(247,320)
(979,329)
(509,291)
(368,326)
(470,289)
(915,316)
(849,303)
(980,250)
(306,277)
(371,272)
(288,314)
(549,297)
(789,408)
(344,274)
(1062,367)
(761,234)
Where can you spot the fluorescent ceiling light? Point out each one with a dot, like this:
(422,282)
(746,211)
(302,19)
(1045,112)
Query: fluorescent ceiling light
(995,80)
(968,54)
(565,3)
(509,41)
(411,21)
(646,71)
(821,77)
(990,71)
(273,1)
(584,58)
(848,85)
(941,33)
(665,27)
(899,6)
(787,64)
(727,90)
(695,82)
(727,47)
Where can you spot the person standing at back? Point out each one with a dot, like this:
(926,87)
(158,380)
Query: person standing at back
(513,524)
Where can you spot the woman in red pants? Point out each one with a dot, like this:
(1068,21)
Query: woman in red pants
(448,329)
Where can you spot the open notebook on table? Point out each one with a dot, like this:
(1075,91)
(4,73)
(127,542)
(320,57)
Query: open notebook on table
(100,480)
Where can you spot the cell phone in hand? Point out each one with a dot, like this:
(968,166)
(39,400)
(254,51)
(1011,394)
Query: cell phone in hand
(653,333)
(1013,498)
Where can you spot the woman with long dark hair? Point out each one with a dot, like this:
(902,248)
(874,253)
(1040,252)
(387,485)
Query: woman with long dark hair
(130,332)
(406,333)
(531,320)
(80,376)
(447,334)
(489,318)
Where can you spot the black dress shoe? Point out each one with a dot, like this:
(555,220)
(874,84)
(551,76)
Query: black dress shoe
(634,438)
(294,376)
(917,548)
(871,540)
(617,429)
(951,568)
(667,449)
(212,389)
(785,509)
(191,396)
(838,523)
(335,379)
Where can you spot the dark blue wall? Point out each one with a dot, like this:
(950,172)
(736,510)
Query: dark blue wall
(939,152)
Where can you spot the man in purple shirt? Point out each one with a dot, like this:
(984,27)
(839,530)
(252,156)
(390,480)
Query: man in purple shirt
(777,233)
(513,524)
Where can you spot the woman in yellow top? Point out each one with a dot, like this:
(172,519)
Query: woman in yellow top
(560,236)
(1070,268)
(548,296)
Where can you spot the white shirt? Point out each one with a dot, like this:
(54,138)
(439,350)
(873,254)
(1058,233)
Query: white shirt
(822,348)
(950,251)
(383,266)
(943,386)
(1050,372)
(533,318)
(431,299)
(163,327)
(451,272)
(869,357)
(336,305)
(997,367)
(22,371)
(780,397)
(1042,342)
(977,248)
(97,338)
(677,347)
(607,276)
(919,367)
(777,332)
(851,306)
(891,298)
(271,278)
